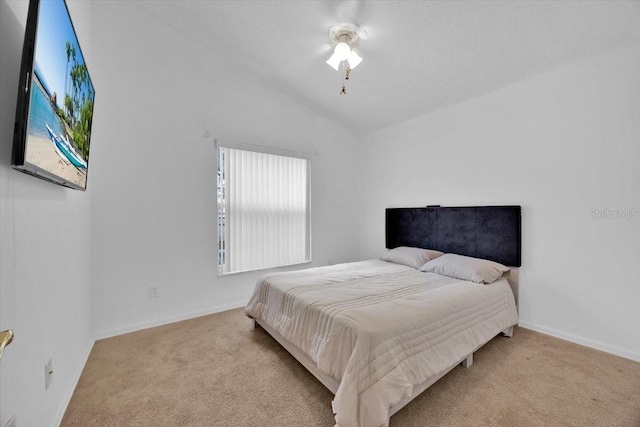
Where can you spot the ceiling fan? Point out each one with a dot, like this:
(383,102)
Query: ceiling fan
(344,37)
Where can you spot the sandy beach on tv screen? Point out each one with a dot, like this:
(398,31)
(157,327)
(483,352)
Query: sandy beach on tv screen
(41,152)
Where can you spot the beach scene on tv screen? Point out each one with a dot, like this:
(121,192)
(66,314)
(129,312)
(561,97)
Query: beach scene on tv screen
(61,106)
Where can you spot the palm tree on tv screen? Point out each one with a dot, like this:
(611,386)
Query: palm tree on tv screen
(79,103)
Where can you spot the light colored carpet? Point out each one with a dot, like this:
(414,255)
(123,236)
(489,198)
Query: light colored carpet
(217,370)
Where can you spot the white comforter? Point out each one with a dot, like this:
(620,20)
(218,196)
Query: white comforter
(380,328)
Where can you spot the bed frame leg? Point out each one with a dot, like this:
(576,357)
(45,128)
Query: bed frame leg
(468,361)
(255,324)
(508,332)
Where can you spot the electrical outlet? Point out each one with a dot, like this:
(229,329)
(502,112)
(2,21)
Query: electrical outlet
(154,291)
(11,422)
(48,374)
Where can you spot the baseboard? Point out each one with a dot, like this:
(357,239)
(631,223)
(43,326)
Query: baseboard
(607,348)
(167,320)
(72,387)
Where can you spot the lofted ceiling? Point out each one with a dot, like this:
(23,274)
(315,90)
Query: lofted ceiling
(419,56)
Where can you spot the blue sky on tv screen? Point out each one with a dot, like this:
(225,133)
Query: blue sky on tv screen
(54,30)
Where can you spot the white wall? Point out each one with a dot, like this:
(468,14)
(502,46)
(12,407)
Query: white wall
(560,145)
(153,171)
(44,257)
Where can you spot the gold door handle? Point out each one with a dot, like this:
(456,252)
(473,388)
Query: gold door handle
(5,339)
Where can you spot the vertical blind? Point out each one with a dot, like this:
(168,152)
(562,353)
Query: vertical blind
(263,210)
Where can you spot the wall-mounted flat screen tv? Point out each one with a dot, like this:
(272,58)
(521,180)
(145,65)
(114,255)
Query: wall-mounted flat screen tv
(55,99)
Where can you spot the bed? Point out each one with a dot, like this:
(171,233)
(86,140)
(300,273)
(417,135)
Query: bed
(378,333)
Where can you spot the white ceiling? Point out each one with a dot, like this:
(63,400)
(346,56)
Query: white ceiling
(419,56)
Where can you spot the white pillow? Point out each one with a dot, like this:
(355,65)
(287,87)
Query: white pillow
(412,257)
(466,268)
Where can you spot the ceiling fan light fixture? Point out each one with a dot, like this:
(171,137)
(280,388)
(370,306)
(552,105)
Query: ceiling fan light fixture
(343,37)
(334,61)
(342,51)
(354,59)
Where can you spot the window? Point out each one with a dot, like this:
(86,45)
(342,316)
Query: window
(263,208)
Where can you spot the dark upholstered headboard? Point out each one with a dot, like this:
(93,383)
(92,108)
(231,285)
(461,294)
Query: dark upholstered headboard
(489,232)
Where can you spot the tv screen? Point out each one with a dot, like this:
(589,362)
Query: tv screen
(55,99)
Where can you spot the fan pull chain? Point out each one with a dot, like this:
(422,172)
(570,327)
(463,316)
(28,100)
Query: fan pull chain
(347,71)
